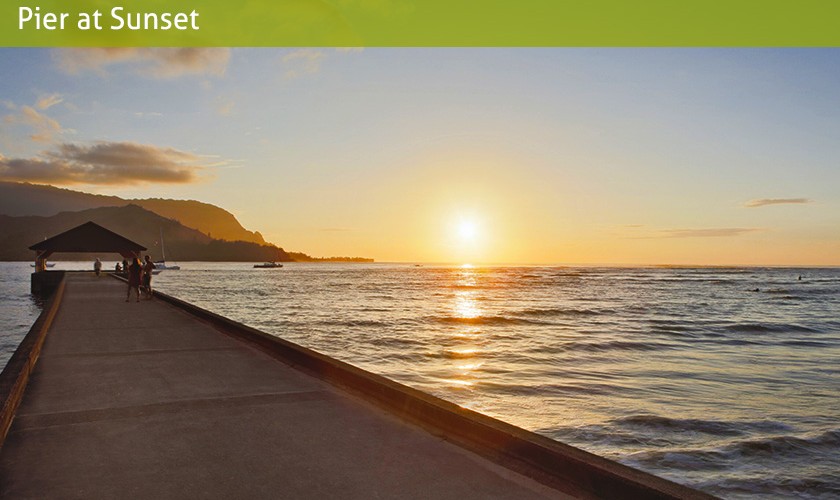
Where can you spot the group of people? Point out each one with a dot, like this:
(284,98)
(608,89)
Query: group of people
(139,274)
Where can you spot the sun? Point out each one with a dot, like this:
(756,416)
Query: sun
(466,237)
(467,230)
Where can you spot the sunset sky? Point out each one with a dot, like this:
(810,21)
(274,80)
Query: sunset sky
(620,156)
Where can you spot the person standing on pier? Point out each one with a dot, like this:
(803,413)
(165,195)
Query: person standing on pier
(148,266)
(134,272)
(97,266)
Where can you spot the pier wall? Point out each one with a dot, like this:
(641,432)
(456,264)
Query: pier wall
(15,375)
(43,283)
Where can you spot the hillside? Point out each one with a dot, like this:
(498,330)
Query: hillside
(135,223)
(22,199)
(18,199)
(209,219)
(302,257)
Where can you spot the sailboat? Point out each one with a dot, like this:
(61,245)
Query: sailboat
(161,264)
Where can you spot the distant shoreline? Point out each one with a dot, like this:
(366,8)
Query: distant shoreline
(316,260)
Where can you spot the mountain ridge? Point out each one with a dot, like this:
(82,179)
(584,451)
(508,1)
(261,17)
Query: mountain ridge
(24,199)
(135,223)
(193,230)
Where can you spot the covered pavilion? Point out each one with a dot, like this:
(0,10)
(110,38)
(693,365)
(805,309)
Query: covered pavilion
(90,237)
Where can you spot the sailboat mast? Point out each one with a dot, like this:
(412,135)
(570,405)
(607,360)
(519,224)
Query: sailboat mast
(162,247)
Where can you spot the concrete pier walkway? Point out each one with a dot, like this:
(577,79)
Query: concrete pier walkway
(162,399)
(143,400)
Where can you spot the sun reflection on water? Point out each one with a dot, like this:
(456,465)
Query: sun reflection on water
(464,363)
(466,307)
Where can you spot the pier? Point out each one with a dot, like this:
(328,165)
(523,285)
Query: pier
(162,399)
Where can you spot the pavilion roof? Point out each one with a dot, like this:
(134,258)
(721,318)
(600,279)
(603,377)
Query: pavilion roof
(89,237)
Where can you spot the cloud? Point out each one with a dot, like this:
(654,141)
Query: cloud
(145,61)
(107,163)
(776,201)
(301,62)
(44,128)
(639,233)
(724,232)
(48,101)
(224,106)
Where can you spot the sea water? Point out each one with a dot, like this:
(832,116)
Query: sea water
(724,379)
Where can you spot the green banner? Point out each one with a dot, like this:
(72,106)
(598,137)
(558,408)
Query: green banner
(420,23)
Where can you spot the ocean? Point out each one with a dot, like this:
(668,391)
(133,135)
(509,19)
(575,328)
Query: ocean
(723,379)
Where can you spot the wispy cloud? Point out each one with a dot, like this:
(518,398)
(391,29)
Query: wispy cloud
(109,163)
(44,128)
(639,232)
(48,101)
(776,201)
(149,62)
(722,232)
(301,62)
(224,106)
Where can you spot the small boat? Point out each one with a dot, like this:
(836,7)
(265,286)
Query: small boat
(49,264)
(267,265)
(161,265)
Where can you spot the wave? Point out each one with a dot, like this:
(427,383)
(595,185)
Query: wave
(357,323)
(562,311)
(396,342)
(771,448)
(621,345)
(542,390)
(787,445)
(488,320)
(452,354)
(738,342)
(777,291)
(467,287)
(610,438)
(821,487)
(596,347)
(713,427)
(806,343)
(672,328)
(760,328)
(792,297)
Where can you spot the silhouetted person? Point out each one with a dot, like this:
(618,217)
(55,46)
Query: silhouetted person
(148,266)
(118,268)
(134,272)
(97,266)
(125,266)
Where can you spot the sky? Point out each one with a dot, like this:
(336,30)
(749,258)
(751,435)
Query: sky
(530,156)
